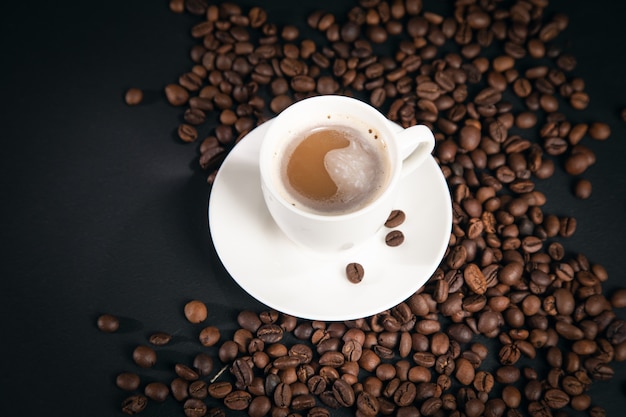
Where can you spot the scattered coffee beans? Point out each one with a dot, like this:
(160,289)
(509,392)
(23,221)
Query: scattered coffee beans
(507,292)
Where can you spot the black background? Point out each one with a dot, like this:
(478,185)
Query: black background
(103,209)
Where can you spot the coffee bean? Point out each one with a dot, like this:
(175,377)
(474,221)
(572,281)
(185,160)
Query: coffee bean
(242,371)
(176,94)
(198,389)
(343,393)
(599,131)
(160,338)
(134,404)
(156,391)
(209,336)
(195,311)
(270,333)
(185,372)
(187,133)
(133,96)
(367,404)
(355,272)
(127,381)
(582,189)
(177,6)
(144,356)
(108,323)
(487,96)
(394,238)
(179,388)
(220,389)
(475,279)
(194,407)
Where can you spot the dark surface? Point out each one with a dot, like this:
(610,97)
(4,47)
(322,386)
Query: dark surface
(103,210)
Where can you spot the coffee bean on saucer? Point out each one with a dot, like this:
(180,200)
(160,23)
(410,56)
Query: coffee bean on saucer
(108,323)
(195,311)
(355,272)
(395,219)
(133,96)
(394,238)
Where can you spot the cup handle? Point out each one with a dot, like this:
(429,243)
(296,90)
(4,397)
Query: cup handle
(415,143)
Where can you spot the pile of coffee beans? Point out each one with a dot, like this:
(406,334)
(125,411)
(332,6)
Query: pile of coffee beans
(510,323)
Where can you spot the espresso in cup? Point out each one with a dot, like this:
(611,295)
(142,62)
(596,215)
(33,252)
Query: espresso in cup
(334,169)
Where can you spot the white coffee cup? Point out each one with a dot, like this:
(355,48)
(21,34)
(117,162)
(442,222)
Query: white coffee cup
(329,233)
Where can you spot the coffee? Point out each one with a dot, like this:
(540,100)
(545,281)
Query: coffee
(335,169)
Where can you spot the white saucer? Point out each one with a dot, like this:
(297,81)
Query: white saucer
(302,283)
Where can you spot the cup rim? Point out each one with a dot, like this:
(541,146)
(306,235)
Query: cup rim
(396,162)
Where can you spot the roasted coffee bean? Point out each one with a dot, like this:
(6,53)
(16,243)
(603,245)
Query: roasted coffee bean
(134,404)
(144,356)
(194,407)
(343,393)
(355,272)
(180,389)
(219,389)
(160,338)
(176,94)
(108,323)
(198,389)
(599,131)
(394,238)
(241,369)
(187,133)
(555,398)
(475,279)
(270,333)
(195,311)
(209,336)
(156,391)
(282,395)
(464,371)
(185,372)
(237,400)
(405,394)
(127,381)
(367,404)
(194,116)
(318,412)
(133,96)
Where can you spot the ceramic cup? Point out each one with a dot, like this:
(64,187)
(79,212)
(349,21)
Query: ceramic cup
(405,150)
